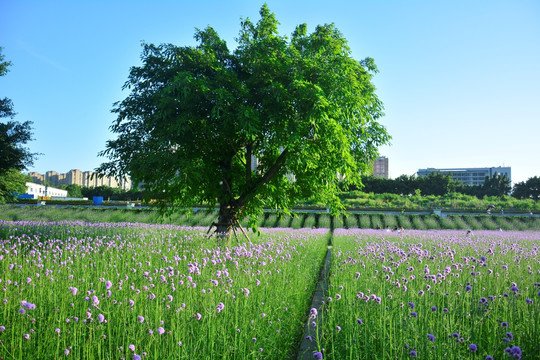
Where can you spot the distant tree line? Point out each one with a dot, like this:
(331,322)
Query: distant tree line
(440,184)
(433,184)
(108,193)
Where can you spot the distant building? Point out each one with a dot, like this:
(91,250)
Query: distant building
(37,190)
(470,176)
(380,167)
(81,178)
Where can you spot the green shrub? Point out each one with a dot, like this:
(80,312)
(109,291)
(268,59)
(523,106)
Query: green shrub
(351,221)
(297,221)
(418,223)
(364,221)
(432,222)
(309,221)
(324,221)
(390,220)
(447,223)
(405,221)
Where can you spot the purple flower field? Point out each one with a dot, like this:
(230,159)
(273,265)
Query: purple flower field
(134,291)
(432,295)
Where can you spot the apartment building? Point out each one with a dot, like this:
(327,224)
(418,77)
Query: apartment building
(380,167)
(81,178)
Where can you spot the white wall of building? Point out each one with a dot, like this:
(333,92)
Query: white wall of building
(41,190)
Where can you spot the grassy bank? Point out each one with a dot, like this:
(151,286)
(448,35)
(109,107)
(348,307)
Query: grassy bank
(272,220)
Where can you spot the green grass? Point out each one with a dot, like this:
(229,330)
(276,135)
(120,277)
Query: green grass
(210,300)
(384,284)
(296,221)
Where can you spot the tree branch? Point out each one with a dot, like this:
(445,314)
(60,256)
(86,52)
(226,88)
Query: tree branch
(269,175)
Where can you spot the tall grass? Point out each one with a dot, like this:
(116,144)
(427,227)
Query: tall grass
(108,291)
(431,295)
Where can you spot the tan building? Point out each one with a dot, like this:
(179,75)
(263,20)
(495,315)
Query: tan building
(380,168)
(81,178)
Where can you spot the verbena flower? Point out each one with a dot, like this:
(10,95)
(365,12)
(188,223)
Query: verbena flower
(359,321)
(413,353)
(473,347)
(318,355)
(431,337)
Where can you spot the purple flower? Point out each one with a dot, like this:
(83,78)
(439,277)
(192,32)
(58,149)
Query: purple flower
(414,314)
(528,301)
(131,347)
(141,319)
(489,357)
(431,337)
(2,328)
(413,353)
(57,330)
(473,347)
(136,357)
(411,304)
(27,336)
(220,307)
(160,330)
(22,311)
(468,288)
(510,335)
(514,351)
(309,338)
(359,321)
(66,351)
(313,313)
(504,324)
(318,355)
(254,340)
(433,308)
(108,285)
(101,318)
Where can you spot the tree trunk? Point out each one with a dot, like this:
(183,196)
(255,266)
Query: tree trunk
(226,220)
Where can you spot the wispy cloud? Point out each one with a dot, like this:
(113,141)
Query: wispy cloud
(41,57)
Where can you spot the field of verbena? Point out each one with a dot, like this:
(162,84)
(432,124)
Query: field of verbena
(432,295)
(113,291)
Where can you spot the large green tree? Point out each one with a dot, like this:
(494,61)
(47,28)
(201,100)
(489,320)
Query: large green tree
(197,118)
(13,136)
(529,189)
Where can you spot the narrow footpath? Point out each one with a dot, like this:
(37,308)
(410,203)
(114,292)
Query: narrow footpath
(308,345)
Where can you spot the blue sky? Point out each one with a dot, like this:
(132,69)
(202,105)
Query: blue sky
(460,80)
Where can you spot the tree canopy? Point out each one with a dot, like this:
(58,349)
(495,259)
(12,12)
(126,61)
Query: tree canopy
(275,121)
(529,189)
(13,136)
